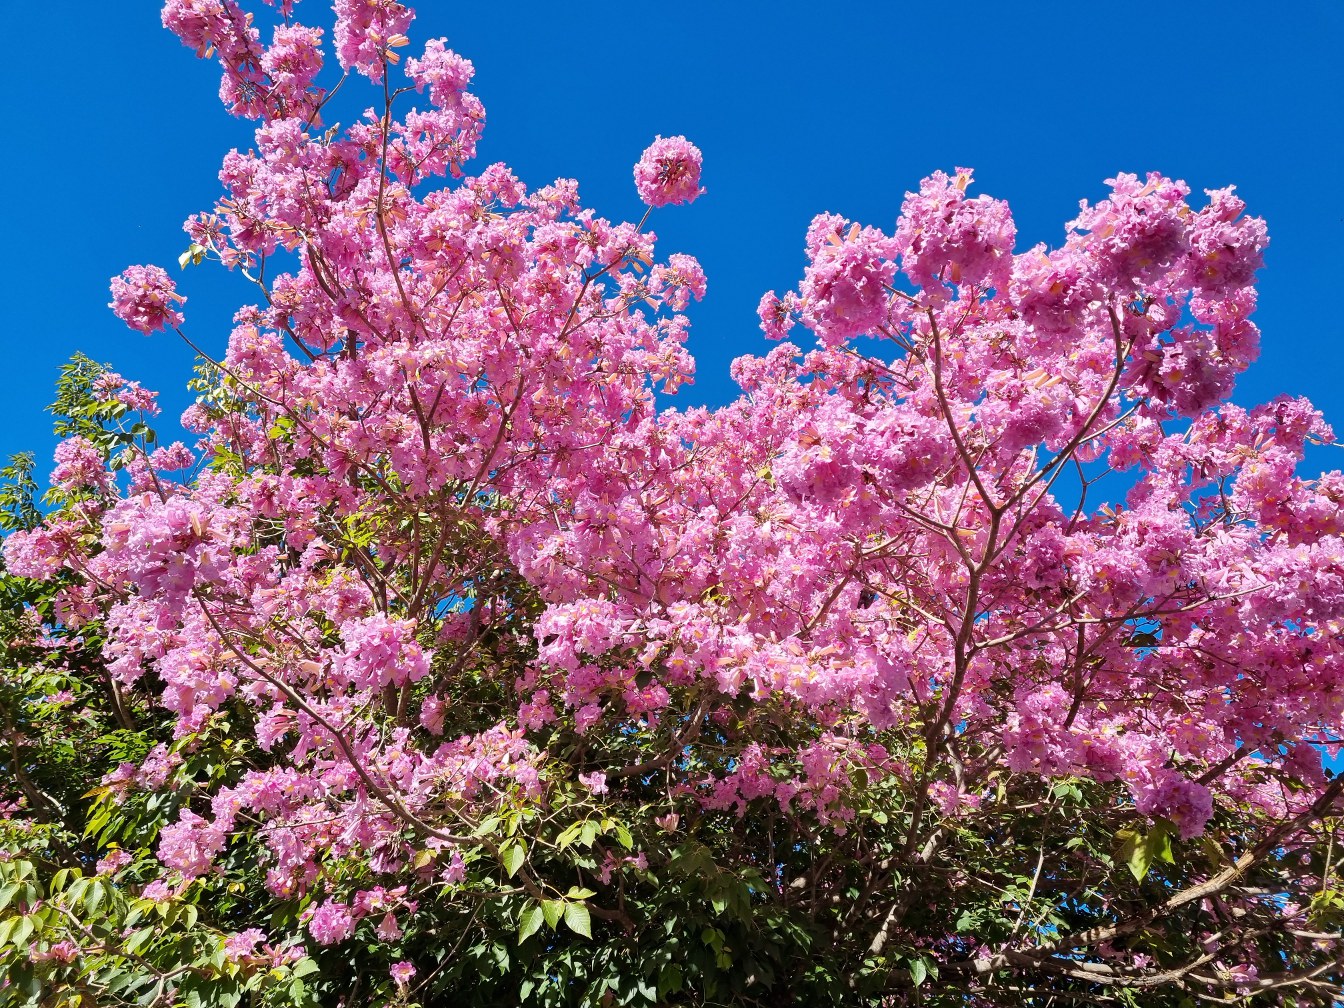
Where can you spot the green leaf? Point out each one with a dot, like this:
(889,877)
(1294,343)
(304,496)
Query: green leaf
(588,834)
(1139,850)
(579,920)
(94,898)
(1139,862)
(137,941)
(919,971)
(193,255)
(552,910)
(513,854)
(568,835)
(1131,852)
(1160,839)
(22,931)
(669,980)
(529,921)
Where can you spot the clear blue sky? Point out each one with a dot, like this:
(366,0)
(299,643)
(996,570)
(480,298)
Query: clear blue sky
(116,136)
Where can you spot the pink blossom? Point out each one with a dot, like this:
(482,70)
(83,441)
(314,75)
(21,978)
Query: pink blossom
(445,73)
(1138,235)
(1186,803)
(669,172)
(946,238)
(777,314)
(292,62)
(681,279)
(32,554)
(432,713)
(367,33)
(190,844)
(62,951)
(202,24)
(1225,248)
(143,297)
(330,923)
(950,801)
(380,651)
(173,457)
(594,782)
(244,943)
(129,394)
(456,871)
(158,891)
(388,929)
(844,292)
(402,973)
(79,465)
(113,862)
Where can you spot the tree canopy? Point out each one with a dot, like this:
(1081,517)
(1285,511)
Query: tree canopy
(452,663)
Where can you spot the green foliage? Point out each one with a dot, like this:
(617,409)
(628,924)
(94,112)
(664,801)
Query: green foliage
(111,425)
(130,950)
(18,493)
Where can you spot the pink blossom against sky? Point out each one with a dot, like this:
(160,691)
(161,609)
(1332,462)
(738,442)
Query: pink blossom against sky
(798,109)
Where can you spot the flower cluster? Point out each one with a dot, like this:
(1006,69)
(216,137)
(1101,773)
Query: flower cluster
(446,572)
(145,298)
(669,172)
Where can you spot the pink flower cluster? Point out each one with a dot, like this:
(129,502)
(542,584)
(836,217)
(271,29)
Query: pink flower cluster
(948,240)
(366,33)
(669,172)
(79,466)
(847,286)
(443,71)
(145,298)
(331,923)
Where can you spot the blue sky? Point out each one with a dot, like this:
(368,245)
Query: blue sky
(116,137)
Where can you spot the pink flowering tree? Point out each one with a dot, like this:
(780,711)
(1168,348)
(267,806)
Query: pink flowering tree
(444,667)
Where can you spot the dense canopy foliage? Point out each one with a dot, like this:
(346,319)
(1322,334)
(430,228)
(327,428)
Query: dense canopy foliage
(450,666)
